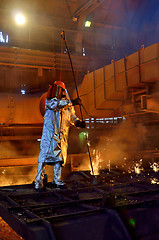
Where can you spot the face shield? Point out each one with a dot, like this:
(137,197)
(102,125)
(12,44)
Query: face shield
(55,91)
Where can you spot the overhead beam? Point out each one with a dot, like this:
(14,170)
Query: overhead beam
(88,7)
(81,14)
(38,59)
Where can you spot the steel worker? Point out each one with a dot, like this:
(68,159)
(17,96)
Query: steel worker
(59,114)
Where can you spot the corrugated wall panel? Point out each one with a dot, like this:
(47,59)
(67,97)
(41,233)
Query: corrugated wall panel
(102,93)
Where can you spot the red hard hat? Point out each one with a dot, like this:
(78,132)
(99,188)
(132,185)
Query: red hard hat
(61,84)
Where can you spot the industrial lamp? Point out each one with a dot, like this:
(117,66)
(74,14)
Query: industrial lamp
(87,23)
(20,18)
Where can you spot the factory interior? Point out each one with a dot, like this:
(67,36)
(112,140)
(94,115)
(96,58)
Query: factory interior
(107,54)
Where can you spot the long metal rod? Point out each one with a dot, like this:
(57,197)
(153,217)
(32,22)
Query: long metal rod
(89,154)
(64,39)
(63,36)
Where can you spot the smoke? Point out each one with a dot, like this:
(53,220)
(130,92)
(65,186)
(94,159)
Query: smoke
(7,150)
(18,175)
(17,151)
(19,148)
(117,148)
(14,176)
(122,142)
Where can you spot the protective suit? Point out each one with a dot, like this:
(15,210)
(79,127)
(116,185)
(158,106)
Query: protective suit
(59,114)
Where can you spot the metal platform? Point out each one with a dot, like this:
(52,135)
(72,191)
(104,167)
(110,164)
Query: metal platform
(110,206)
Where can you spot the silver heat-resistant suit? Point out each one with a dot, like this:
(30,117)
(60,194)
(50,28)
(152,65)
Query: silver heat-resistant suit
(58,116)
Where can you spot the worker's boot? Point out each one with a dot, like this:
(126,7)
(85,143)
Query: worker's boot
(57,182)
(40,175)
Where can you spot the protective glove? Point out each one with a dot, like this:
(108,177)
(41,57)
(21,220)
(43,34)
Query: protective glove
(83,124)
(76,101)
(80,124)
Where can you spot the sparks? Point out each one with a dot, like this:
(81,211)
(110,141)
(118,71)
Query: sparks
(109,165)
(155,167)
(136,167)
(154,181)
(96,162)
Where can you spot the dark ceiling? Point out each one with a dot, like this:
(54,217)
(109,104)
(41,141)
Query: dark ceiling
(119,27)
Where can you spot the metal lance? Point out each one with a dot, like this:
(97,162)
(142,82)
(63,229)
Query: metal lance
(63,36)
